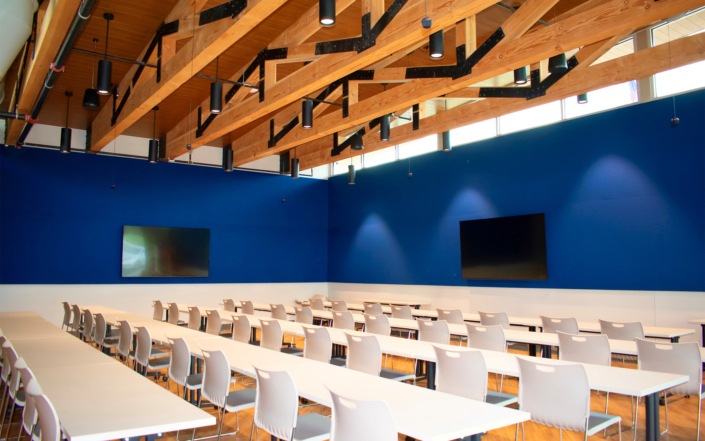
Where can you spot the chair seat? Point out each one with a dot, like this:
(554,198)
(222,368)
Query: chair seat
(292,351)
(194,381)
(158,363)
(395,375)
(702,391)
(312,427)
(155,353)
(337,361)
(20,398)
(114,333)
(226,335)
(499,399)
(77,334)
(111,343)
(254,343)
(600,421)
(240,399)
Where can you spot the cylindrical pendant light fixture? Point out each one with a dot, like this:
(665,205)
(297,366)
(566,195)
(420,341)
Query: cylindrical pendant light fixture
(295,168)
(557,64)
(65,144)
(384,128)
(105,67)
(307,114)
(216,92)
(520,75)
(582,98)
(351,174)
(435,45)
(356,142)
(91,101)
(228,158)
(153,154)
(326,12)
(445,142)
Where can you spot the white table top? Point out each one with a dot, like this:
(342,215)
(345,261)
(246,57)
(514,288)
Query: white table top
(697,321)
(392,302)
(60,352)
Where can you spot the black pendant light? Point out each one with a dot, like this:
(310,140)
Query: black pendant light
(216,92)
(384,128)
(435,45)
(228,158)
(356,142)
(582,98)
(295,168)
(351,174)
(445,142)
(154,143)
(91,101)
(557,64)
(520,75)
(326,12)
(105,67)
(65,144)
(307,114)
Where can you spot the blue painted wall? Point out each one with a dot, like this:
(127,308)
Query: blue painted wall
(60,222)
(623,193)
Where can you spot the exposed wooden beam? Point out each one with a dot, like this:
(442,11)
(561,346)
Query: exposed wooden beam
(50,34)
(591,53)
(306,26)
(524,18)
(468,92)
(630,67)
(466,34)
(375,8)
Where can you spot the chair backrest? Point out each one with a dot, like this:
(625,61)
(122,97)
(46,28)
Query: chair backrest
(276,403)
(87,325)
(247,307)
(364,353)
(320,296)
(229,305)
(452,316)
(402,312)
(180,361)
(434,331)
(279,311)
(216,378)
(272,334)
(355,420)
(461,372)
(303,315)
(76,317)
(567,325)
(173,313)
(377,324)
(158,311)
(242,328)
(214,324)
(318,344)
(494,319)
(48,419)
(29,414)
(622,331)
(194,318)
(343,320)
(125,343)
(489,338)
(144,345)
(339,305)
(673,358)
(9,352)
(316,304)
(373,309)
(557,394)
(67,314)
(101,327)
(592,349)
(5,373)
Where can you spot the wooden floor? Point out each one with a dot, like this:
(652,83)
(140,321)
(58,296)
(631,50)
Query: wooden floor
(682,413)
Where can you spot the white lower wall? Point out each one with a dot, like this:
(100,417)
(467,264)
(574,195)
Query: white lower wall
(46,299)
(652,308)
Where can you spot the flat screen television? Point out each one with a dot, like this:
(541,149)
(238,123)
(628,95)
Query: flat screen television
(165,252)
(504,248)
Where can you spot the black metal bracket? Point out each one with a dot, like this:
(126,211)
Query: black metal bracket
(227,10)
(415,115)
(162,148)
(285,163)
(538,88)
(163,30)
(339,148)
(117,110)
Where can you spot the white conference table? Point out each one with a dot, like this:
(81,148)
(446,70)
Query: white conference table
(419,413)
(700,322)
(96,397)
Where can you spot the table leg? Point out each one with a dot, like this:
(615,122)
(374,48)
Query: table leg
(675,339)
(167,314)
(652,417)
(532,348)
(430,375)
(546,351)
(203,324)
(151,437)
(475,437)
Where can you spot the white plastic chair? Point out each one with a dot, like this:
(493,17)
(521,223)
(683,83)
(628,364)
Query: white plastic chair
(628,331)
(101,336)
(242,328)
(674,358)
(194,318)
(229,305)
(402,312)
(488,338)
(377,324)
(67,316)
(452,316)
(316,304)
(216,389)
(174,315)
(463,372)
(29,415)
(304,315)
(16,397)
(143,354)
(158,314)
(5,377)
(591,349)
(355,420)
(273,337)
(125,343)
(76,326)
(247,307)
(339,305)
(565,325)
(279,311)
(88,328)
(48,419)
(365,355)
(494,319)
(373,309)
(215,325)
(343,320)
(277,407)
(180,367)
(434,331)
(559,396)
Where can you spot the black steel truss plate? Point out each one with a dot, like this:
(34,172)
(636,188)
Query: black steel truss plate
(489,44)
(551,80)
(170,28)
(504,92)
(202,127)
(274,139)
(339,148)
(230,9)
(430,72)
(336,46)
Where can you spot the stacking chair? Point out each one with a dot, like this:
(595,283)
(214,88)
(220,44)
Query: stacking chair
(101,336)
(494,319)
(87,332)
(463,372)
(48,419)
(174,315)
(565,325)
(277,408)
(343,320)
(316,304)
(76,326)
(143,354)
(242,329)
(365,355)
(229,305)
(273,337)
(247,307)
(67,316)
(435,331)
(29,416)
(377,324)
(559,396)
(629,331)
(158,311)
(339,305)
(318,345)
(180,367)
(354,420)
(194,318)
(215,325)
(5,377)
(488,338)
(125,344)
(304,315)
(279,311)
(373,309)
(16,397)
(674,358)
(402,312)
(453,317)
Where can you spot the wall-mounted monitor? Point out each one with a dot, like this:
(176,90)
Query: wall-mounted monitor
(165,252)
(504,248)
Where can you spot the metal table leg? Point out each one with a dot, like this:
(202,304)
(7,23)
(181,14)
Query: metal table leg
(653,432)
(430,375)
(546,351)
(532,348)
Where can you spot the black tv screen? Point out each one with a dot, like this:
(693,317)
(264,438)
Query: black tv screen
(504,248)
(165,252)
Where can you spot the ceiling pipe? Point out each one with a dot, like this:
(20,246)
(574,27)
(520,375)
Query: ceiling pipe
(79,22)
(9,115)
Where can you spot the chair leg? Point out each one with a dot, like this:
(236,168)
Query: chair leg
(3,410)
(636,417)
(9,423)
(665,404)
(252,432)
(220,429)
(700,406)
(607,404)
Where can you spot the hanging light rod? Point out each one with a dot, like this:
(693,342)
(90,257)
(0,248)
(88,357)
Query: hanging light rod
(401,117)
(321,101)
(515,9)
